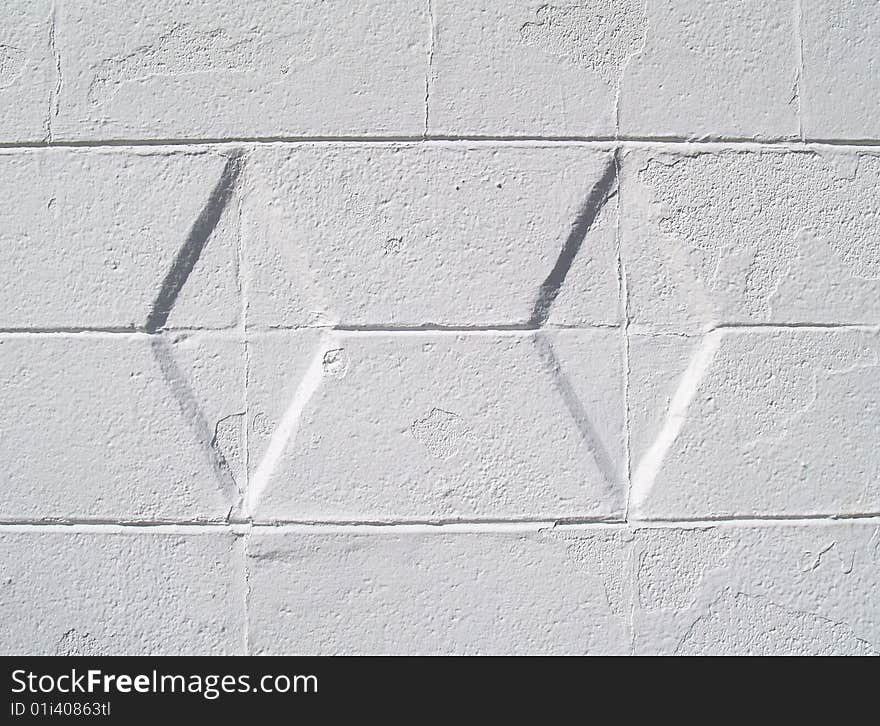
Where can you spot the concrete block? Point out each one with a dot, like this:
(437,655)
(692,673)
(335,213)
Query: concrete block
(114,593)
(28,72)
(257,69)
(755,422)
(713,69)
(89,236)
(121,427)
(521,68)
(661,68)
(383,426)
(768,589)
(841,75)
(435,235)
(751,237)
(431,593)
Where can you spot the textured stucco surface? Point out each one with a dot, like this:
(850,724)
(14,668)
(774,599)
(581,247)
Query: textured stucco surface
(440,326)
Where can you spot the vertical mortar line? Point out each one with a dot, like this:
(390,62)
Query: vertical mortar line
(242,583)
(623,298)
(242,289)
(53,90)
(799,37)
(247,593)
(632,572)
(617,108)
(241,570)
(244,575)
(430,69)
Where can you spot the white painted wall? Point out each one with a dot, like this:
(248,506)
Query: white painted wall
(440,326)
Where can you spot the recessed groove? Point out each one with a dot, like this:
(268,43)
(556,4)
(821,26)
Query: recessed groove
(108,331)
(198,237)
(589,432)
(409,329)
(287,427)
(634,329)
(601,192)
(787,326)
(211,522)
(192,413)
(605,141)
(648,330)
(651,463)
(757,519)
(476,525)
(426,328)
(73,330)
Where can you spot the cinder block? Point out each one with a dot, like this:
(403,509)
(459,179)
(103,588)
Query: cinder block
(89,236)
(774,589)
(365,426)
(529,69)
(144,593)
(430,235)
(713,69)
(664,68)
(750,422)
(256,69)
(436,593)
(118,426)
(28,74)
(355,300)
(841,79)
(747,236)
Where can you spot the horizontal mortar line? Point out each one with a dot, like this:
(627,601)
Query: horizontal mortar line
(574,522)
(697,332)
(528,329)
(756,519)
(382,328)
(297,329)
(633,329)
(243,529)
(606,141)
(512,330)
(786,326)
(72,330)
(504,328)
(427,526)
(662,329)
(110,522)
(123,528)
(121,331)
(435,523)
(271,523)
